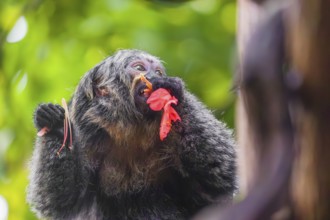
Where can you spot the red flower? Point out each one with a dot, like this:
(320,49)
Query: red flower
(159,100)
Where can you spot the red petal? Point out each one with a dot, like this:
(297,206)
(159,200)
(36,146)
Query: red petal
(157,105)
(165,126)
(173,115)
(172,100)
(158,99)
(169,115)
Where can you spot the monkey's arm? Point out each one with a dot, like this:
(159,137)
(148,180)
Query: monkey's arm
(207,154)
(205,146)
(55,181)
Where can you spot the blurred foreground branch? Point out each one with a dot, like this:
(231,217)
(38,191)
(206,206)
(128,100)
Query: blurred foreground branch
(283,113)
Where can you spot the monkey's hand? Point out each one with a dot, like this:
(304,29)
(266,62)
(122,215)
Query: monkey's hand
(50,116)
(174,84)
(57,179)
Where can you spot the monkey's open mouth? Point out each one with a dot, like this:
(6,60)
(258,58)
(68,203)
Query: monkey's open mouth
(141,97)
(142,86)
(142,90)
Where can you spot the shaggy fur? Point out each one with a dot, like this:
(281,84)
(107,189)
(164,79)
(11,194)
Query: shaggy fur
(118,168)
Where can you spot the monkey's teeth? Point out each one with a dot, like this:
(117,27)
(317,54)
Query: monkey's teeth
(147,90)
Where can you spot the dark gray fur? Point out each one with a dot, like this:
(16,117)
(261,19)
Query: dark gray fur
(118,168)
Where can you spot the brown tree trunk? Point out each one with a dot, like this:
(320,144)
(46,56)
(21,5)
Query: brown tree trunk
(309,37)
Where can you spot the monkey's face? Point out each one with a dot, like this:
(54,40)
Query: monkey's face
(112,92)
(152,69)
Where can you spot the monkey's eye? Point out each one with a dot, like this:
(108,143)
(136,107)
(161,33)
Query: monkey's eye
(159,72)
(139,67)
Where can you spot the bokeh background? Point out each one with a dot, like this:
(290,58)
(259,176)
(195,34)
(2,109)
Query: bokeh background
(47,45)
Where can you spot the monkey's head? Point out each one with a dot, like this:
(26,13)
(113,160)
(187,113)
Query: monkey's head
(110,96)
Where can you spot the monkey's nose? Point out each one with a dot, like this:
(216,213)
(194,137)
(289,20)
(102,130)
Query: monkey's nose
(150,75)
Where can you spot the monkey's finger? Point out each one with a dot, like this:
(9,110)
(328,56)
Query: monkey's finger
(58,111)
(52,111)
(158,83)
(174,85)
(42,112)
(57,108)
(45,116)
(41,121)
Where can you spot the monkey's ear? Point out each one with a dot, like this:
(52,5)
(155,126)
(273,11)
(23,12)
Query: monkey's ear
(89,83)
(100,91)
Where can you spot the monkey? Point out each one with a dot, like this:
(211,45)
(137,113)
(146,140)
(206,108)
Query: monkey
(117,166)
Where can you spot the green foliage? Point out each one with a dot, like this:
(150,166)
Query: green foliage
(65,38)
